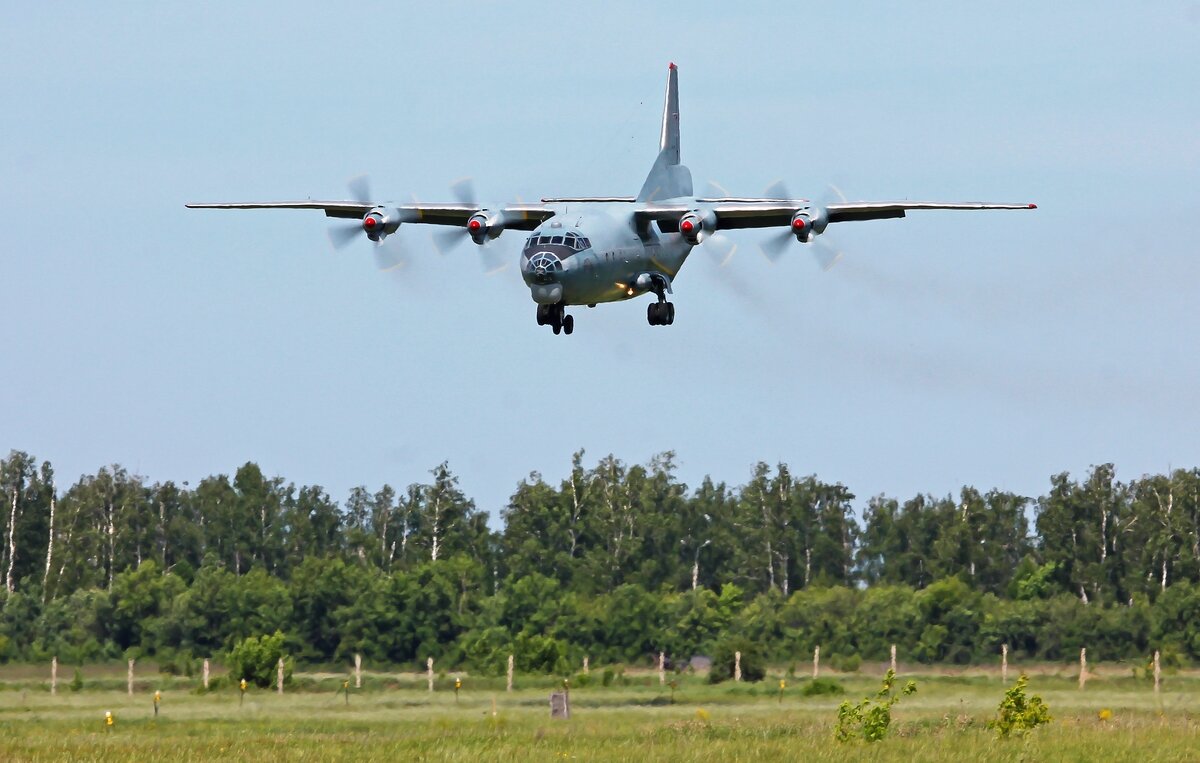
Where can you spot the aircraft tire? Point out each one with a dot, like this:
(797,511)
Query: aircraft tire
(568,324)
(652,314)
(557,328)
(670,313)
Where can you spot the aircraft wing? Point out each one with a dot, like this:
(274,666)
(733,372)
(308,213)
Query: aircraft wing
(733,213)
(516,216)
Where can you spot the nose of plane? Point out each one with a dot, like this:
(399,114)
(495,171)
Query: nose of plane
(543,267)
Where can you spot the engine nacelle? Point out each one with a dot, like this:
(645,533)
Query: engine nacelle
(696,226)
(381,222)
(483,226)
(691,226)
(809,222)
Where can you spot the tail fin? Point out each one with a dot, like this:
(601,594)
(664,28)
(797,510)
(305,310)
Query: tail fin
(668,179)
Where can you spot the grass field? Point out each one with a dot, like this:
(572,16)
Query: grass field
(394,717)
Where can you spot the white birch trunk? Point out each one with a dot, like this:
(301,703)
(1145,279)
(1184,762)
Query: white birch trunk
(49,551)
(12,544)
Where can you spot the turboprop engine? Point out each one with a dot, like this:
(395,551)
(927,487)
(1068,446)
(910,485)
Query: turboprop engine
(484,225)
(696,226)
(381,222)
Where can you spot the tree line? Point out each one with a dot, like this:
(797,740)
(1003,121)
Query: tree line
(615,561)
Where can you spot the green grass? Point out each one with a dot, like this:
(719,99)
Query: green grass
(395,718)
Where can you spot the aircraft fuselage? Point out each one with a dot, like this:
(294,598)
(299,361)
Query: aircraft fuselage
(593,252)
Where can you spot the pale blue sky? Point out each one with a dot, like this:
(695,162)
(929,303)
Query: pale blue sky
(991,349)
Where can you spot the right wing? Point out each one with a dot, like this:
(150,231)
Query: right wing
(516,216)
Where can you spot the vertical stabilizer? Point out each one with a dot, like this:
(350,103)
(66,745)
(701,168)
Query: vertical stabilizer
(668,179)
(668,142)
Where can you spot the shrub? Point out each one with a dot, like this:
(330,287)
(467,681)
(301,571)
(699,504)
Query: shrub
(1019,713)
(820,686)
(76,682)
(607,678)
(870,719)
(849,664)
(256,659)
(724,657)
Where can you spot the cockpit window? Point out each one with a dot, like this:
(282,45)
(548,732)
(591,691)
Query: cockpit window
(556,240)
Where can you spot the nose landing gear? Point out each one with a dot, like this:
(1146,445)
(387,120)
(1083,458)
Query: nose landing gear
(554,316)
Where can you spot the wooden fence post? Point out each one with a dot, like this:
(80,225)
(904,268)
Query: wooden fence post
(129,679)
(53,676)
(1082,667)
(1157,674)
(662,669)
(358,671)
(508,687)
(1004,663)
(816,662)
(279,675)
(429,672)
(206,674)
(737,666)
(893,658)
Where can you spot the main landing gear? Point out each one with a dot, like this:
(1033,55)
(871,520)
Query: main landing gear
(554,316)
(662,312)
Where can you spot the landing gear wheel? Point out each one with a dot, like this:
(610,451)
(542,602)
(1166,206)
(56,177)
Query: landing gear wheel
(557,328)
(568,324)
(670,313)
(652,313)
(543,313)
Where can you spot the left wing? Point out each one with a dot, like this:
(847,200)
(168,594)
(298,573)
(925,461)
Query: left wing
(733,213)
(515,216)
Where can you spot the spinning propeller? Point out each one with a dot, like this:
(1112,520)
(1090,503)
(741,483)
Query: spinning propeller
(807,226)
(389,255)
(481,228)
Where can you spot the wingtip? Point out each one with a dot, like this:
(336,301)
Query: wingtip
(672,66)
(1033,206)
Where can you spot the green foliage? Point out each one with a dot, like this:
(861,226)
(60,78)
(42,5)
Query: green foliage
(725,655)
(76,681)
(847,664)
(256,659)
(822,686)
(869,719)
(1019,713)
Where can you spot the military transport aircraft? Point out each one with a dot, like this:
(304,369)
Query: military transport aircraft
(588,250)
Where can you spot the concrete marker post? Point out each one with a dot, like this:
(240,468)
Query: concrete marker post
(508,685)
(894,658)
(358,671)
(1004,663)
(429,672)
(1082,667)
(206,674)
(129,679)
(53,676)
(279,676)
(816,661)
(737,666)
